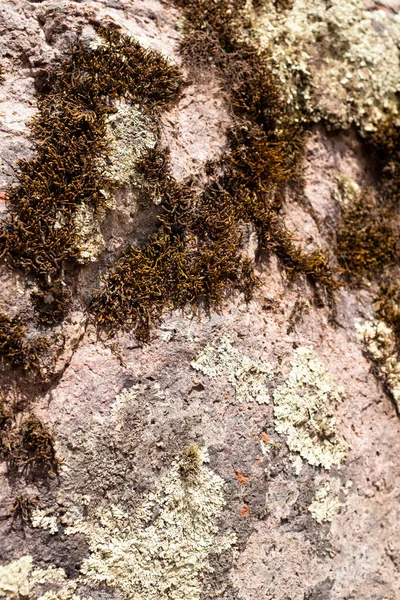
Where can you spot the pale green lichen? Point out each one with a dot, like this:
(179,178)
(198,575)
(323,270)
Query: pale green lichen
(304,411)
(346,191)
(160,553)
(248,377)
(130,134)
(326,503)
(380,342)
(336,60)
(89,238)
(44,519)
(18,578)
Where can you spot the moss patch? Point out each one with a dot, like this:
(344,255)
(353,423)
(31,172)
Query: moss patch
(27,445)
(17,348)
(196,256)
(367,238)
(70,137)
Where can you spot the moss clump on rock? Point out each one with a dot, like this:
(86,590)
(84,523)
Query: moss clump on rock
(69,134)
(16,348)
(196,256)
(367,239)
(27,446)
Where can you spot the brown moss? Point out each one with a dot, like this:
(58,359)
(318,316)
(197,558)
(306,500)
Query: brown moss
(36,451)
(6,422)
(69,135)
(196,256)
(21,510)
(191,463)
(367,239)
(16,347)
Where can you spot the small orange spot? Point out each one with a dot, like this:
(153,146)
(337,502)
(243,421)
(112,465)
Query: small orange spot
(259,459)
(241,478)
(227,396)
(245,511)
(265,438)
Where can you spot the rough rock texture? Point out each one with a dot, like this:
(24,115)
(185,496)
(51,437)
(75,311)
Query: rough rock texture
(250,453)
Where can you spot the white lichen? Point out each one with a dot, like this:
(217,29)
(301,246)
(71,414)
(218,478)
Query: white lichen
(161,552)
(336,60)
(44,519)
(18,578)
(380,342)
(248,377)
(89,239)
(131,134)
(325,504)
(304,411)
(346,191)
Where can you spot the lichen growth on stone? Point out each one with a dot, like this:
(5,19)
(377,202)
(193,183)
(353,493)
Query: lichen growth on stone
(337,61)
(325,504)
(304,411)
(161,552)
(19,578)
(346,190)
(380,342)
(131,133)
(44,519)
(247,376)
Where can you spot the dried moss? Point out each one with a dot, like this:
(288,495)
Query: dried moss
(267,142)
(21,510)
(15,346)
(69,135)
(191,462)
(367,239)
(27,447)
(195,258)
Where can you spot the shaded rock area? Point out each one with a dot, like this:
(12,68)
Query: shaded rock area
(171,480)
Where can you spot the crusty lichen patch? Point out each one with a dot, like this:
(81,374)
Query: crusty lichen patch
(19,578)
(45,519)
(346,190)
(327,501)
(380,341)
(247,376)
(131,133)
(161,552)
(304,411)
(325,504)
(336,60)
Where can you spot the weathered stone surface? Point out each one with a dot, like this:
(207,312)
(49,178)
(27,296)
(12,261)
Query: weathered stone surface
(124,523)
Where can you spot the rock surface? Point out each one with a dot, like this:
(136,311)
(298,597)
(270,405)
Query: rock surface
(119,520)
